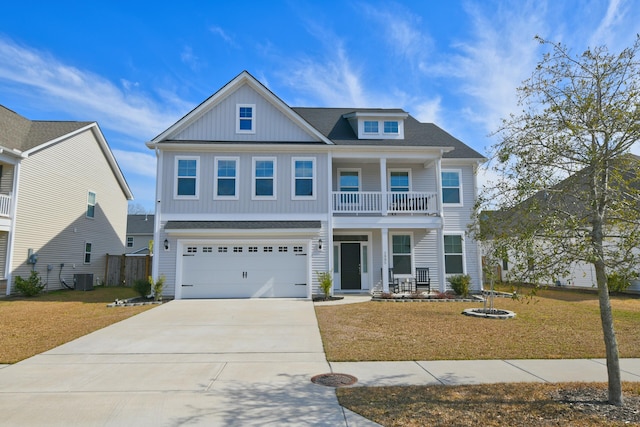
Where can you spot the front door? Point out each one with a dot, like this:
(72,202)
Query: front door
(350,277)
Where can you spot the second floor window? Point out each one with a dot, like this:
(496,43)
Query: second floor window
(91,204)
(226,178)
(186,177)
(399,181)
(451,187)
(129,241)
(304,178)
(264,172)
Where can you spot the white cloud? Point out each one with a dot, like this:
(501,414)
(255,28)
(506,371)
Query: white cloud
(86,95)
(429,111)
(223,35)
(137,163)
(189,58)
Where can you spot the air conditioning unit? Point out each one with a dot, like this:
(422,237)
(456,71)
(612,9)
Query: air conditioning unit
(83,282)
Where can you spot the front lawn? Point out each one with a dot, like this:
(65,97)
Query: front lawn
(34,325)
(557,323)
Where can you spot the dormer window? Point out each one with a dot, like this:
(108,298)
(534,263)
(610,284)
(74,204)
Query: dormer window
(391,126)
(370,126)
(245,118)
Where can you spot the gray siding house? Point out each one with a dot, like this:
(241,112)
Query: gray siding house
(63,201)
(139,234)
(255,198)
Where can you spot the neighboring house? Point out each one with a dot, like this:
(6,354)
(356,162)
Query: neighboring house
(63,201)
(561,205)
(139,234)
(255,198)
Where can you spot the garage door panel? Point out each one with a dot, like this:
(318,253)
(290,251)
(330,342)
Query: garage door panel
(244,271)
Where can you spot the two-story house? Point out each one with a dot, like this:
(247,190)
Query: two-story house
(254,198)
(63,202)
(139,234)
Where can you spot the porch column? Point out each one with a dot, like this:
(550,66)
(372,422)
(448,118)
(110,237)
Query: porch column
(385,259)
(383,189)
(441,267)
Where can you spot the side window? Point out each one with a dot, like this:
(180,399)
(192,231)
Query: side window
(129,241)
(453,254)
(264,178)
(91,204)
(451,187)
(303,180)
(187,172)
(401,252)
(87,252)
(245,118)
(226,178)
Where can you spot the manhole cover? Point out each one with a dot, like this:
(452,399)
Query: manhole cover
(334,380)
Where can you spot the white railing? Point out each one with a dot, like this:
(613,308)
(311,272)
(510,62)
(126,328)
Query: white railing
(396,202)
(5,205)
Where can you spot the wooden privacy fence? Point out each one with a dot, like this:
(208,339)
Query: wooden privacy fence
(124,270)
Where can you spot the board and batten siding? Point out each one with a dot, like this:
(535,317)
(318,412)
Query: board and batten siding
(51,211)
(206,204)
(219,123)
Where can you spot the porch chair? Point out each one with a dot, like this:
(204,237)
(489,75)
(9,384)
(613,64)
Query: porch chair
(394,285)
(423,280)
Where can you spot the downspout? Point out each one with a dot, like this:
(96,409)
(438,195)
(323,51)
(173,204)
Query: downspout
(12,232)
(478,249)
(440,232)
(157,248)
(329,243)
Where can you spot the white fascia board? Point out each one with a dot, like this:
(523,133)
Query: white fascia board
(251,147)
(249,234)
(243,217)
(222,93)
(360,114)
(388,152)
(93,127)
(390,222)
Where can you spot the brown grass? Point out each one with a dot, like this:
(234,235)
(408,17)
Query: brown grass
(529,405)
(33,325)
(553,324)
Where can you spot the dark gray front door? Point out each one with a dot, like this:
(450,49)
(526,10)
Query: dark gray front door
(350,266)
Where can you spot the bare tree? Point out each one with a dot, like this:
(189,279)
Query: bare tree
(568,188)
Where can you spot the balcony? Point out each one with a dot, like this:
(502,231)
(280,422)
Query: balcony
(384,203)
(5,205)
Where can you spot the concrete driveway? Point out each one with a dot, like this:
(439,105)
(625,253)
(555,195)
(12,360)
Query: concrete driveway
(187,362)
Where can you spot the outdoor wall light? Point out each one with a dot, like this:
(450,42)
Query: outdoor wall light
(166,245)
(320,244)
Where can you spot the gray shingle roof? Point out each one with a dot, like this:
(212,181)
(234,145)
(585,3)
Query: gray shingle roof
(240,225)
(23,134)
(140,224)
(331,123)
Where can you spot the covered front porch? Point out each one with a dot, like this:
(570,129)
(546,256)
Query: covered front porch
(388,256)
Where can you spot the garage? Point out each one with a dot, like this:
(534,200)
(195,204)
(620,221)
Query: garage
(244,270)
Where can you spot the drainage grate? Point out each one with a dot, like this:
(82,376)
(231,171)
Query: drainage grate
(334,380)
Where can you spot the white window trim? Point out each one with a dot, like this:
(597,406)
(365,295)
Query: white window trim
(464,251)
(459,172)
(408,170)
(215,178)
(95,203)
(254,178)
(84,252)
(314,178)
(358,170)
(197,178)
(412,255)
(253,118)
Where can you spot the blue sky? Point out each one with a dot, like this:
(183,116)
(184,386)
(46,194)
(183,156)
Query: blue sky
(136,67)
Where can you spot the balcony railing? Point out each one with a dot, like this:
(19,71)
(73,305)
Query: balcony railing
(371,202)
(5,205)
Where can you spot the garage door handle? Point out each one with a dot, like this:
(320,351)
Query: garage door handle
(187,286)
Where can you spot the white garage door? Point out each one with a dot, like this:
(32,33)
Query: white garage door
(244,271)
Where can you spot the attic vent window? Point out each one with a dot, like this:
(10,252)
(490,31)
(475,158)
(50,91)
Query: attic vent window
(245,118)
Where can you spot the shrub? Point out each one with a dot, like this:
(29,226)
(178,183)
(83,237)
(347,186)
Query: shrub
(618,282)
(142,287)
(30,287)
(460,284)
(157,287)
(326,282)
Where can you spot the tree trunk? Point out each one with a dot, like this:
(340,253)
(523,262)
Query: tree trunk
(606,316)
